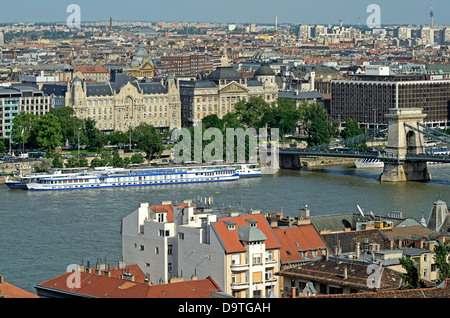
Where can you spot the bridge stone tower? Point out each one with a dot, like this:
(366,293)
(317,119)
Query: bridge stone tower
(403,141)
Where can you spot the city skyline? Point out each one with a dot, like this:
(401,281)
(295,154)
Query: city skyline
(250,11)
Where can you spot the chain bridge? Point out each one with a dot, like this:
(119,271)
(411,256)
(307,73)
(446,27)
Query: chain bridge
(405,156)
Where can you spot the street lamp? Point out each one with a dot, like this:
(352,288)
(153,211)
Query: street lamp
(130,125)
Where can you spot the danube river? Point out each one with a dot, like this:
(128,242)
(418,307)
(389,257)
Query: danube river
(41,233)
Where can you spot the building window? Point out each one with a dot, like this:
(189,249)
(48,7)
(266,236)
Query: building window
(257,259)
(169,250)
(235,259)
(156,250)
(181,236)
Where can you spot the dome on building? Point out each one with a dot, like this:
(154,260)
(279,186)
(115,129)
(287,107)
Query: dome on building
(142,51)
(225,73)
(264,70)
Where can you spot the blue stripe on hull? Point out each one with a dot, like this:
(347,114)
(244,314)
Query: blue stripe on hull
(130,185)
(250,175)
(16,186)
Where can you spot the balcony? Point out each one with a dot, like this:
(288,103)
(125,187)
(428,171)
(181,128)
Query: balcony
(239,285)
(239,267)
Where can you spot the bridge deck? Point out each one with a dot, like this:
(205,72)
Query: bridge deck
(383,156)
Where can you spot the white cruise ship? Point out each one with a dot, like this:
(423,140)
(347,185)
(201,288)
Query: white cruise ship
(120,177)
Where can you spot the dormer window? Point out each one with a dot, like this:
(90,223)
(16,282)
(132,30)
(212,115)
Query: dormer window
(231,226)
(252,222)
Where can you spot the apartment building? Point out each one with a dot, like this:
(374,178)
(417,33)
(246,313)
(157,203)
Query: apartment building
(18,98)
(94,73)
(185,65)
(241,252)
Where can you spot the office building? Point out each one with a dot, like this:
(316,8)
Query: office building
(367,98)
(19,98)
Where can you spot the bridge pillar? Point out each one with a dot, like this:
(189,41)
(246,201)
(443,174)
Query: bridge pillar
(292,162)
(403,140)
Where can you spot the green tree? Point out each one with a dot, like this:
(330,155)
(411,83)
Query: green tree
(48,132)
(92,136)
(148,140)
(231,120)
(441,251)
(117,160)
(82,161)
(118,138)
(106,159)
(137,158)
(22,129)
(212,121)
(251,112)
(412,273)
(315,123)
(352,129)
(2,146)
(96,162)
(70,124)
(282,115)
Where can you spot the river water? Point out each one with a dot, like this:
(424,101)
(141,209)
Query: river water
(41,233)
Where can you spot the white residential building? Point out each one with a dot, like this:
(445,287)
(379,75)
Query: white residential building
(241,253)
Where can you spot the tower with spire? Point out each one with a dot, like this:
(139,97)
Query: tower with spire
(431,14)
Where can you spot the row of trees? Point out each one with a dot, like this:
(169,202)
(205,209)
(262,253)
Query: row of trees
(55,160)
(284,115)
(59,126)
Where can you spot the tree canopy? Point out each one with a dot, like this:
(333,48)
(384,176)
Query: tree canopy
(441,251)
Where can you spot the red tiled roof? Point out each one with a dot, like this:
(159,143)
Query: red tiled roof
(91,69)
(230,237)
(8,290)
(167,208)
(297,238)
(202,288)
(101,286)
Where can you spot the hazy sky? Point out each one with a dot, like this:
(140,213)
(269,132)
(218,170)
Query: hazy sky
(232,11)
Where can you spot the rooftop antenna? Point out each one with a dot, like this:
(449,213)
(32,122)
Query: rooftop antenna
(360,210)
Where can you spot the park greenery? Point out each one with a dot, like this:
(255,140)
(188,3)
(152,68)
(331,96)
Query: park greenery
(61,127)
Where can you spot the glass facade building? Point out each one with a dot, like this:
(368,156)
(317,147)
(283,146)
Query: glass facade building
(367,99)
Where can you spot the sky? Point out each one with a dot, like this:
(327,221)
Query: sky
(228,11)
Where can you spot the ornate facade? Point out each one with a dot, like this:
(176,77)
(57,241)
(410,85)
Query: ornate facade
(124,102)
(221,90)
(141,66)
